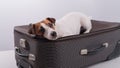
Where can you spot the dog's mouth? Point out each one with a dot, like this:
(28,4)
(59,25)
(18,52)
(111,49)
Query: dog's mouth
(51,38)
(54,38)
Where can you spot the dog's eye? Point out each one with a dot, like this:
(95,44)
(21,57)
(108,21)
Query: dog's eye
(42,29)
(50,24)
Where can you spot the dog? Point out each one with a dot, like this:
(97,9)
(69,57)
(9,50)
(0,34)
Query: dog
(68,25)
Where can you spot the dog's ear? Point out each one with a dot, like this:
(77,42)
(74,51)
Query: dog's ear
(51,19)
(31,28)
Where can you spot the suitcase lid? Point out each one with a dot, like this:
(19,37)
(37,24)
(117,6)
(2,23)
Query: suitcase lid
(97,28)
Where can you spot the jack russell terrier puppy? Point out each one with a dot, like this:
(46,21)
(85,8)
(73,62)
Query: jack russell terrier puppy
(68,25)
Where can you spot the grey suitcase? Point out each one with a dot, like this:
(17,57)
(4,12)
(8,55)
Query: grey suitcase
(78,51)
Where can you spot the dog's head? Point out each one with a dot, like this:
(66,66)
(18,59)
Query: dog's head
(45,28)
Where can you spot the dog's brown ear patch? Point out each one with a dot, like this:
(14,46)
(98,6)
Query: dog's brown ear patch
(31,29)
(51,19)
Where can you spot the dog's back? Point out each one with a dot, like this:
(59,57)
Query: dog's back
(71,23)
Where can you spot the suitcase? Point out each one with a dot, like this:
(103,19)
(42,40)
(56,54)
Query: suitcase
(77,51)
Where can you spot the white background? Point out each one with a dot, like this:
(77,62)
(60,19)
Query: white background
(21,12)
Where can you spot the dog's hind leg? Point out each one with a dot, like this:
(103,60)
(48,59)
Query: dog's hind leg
(88,30)
(87,25)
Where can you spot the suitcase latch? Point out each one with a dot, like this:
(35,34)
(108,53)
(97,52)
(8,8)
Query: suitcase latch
(23,43)
(106,44)
(31,57)
(84,51)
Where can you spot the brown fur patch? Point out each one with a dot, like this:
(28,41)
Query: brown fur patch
(35,28)
(52,20)
(47,22)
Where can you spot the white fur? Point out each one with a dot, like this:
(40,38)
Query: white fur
(48,32)
(71,23)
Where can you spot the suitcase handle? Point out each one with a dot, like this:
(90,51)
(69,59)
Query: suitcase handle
(85,52)
(29,56)
(18,52)
(21,62)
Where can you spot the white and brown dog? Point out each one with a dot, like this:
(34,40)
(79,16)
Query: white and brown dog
(70,24)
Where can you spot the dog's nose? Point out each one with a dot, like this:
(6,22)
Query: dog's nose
(53,34)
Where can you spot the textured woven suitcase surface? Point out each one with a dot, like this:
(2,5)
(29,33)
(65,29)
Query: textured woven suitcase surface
(78,51)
